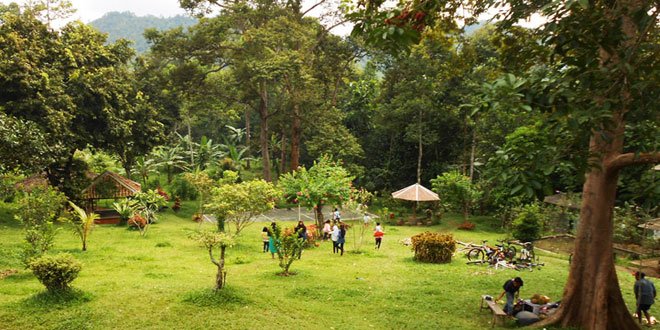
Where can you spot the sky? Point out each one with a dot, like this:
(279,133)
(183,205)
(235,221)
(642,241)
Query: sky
(89,10)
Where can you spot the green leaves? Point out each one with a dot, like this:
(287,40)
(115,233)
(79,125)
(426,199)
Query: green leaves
(325,183)
(456,191)
(239,203)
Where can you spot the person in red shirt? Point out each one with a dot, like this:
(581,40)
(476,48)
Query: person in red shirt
(378,235)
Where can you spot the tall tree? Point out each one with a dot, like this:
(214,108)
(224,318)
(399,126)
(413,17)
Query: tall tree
(75,88)
(608,80)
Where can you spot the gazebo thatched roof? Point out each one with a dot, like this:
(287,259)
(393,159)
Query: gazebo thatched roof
(562,200)
(111,185)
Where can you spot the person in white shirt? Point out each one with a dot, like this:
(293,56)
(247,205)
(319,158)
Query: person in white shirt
(366,219)
(335,237)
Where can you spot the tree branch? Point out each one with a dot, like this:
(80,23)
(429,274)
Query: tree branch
(312,7)
(628,159)
(215,262)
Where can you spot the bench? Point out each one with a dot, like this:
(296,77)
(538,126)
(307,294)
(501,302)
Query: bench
(498,314)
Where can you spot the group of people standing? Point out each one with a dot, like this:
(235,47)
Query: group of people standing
(337,233)
(334,230)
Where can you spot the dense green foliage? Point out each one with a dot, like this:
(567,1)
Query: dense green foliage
(325,183)
(456,192)
(240,203)
(39,209)
(56,272)
(527,225)
(259,91)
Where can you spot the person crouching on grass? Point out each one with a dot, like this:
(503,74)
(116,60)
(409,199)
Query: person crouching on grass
(512,291)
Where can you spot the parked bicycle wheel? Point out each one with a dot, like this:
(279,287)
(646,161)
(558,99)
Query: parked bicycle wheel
(510,252)
(476,254)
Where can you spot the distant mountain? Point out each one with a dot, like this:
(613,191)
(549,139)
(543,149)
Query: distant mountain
(470,29)
(131,27)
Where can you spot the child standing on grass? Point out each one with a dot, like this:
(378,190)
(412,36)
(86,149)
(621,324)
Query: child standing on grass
(334,237)
(326,230)
(341,238)
(264,239)
(271,240)
(378,235)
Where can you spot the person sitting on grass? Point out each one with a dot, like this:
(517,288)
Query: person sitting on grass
(512,291)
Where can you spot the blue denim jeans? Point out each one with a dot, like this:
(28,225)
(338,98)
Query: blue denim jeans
(508,308)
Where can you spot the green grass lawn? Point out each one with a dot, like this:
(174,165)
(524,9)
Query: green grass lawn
(165,280)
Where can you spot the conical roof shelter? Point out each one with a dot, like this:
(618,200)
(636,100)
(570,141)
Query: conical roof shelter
(416,193)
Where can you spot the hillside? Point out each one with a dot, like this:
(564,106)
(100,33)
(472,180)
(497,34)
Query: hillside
(129,26)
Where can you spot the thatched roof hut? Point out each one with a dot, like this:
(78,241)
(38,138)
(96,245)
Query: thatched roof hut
(109,185)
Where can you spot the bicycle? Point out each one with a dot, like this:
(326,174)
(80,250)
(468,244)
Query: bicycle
(528,266)
(508,249)
(527,252)
(479,252)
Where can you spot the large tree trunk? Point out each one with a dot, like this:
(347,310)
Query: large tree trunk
(592,296)
(263,132)
(319,218)
(296,129)
(283,153)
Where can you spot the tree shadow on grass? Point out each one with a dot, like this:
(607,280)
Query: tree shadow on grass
(227,297)
(47,300)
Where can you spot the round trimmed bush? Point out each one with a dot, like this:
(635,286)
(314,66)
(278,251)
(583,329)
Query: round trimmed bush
(56,272)
(433,247)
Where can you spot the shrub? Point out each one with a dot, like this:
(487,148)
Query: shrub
(177,204)
(527,224)
(456,191)
(137,221)
(466,225)
(433,247)
(56,272)
(38,209)
(288,247)
(162,192)
(183,188)
(626,221)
